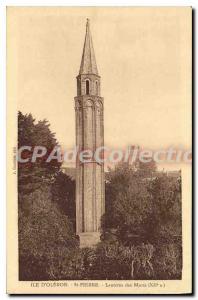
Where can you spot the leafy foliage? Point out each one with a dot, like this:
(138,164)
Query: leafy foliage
(63,193)
(166,206)
(142,205)
(32,174)
(45,235)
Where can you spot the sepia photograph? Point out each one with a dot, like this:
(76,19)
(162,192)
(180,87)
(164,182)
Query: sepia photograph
(99,150)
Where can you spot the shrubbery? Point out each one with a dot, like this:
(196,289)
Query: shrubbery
(45,236)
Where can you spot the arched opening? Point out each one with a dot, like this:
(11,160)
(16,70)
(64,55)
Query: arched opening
(87,87)
(96,87)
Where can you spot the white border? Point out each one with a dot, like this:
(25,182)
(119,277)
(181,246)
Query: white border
(3,150)
(99,3)
(194,4)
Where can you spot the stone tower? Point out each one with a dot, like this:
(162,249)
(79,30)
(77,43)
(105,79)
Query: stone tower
(90,202)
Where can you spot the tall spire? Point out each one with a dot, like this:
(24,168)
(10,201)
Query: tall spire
(88,62)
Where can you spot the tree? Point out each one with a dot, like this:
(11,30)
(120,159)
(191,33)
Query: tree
(31,175)
(127,202)
(147,168)
(166,211)
(63,193)
(140,204)
(46,236)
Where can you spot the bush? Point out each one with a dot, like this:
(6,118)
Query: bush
(45,236)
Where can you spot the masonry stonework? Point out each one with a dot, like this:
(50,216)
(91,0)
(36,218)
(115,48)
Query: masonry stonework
(90,190)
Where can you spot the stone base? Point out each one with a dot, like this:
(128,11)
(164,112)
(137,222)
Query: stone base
(89,239)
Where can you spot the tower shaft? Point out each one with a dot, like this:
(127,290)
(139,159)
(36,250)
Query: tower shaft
(90,190)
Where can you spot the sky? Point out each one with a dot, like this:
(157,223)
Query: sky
(144,60)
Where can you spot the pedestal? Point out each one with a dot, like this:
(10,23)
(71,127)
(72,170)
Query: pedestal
(89,239)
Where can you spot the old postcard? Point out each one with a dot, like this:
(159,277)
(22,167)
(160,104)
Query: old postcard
(99,150)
